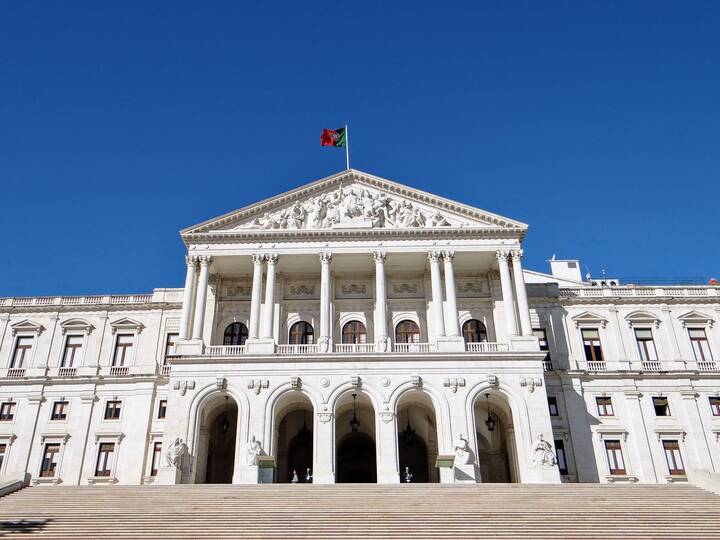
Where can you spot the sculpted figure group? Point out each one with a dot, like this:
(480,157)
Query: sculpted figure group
(349,205)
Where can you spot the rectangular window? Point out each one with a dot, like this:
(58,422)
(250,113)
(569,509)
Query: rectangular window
(661,406)
(156,453)
(48,469)
(170,342)
(3,451)
(105,459)
(604,406)
(673,458)
(715,406)
(552,405)
(59,410)
(700,345)
(162,408)
(21,354)
(542,340)
(560,452)
(71,354)
(613,450)
(112,410)
(123,346)
(7,411)
(646,345)
(591,343)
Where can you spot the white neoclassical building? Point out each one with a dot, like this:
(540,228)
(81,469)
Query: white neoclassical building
(359,330)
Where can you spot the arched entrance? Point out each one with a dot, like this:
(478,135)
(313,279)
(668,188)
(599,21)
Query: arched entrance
(417,437)
(294,437)
(355,458)
(216,441)
(497,455)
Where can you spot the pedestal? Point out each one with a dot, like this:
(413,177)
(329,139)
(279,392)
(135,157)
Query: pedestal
(450,344)
(168,476)
(466,474)
(189,347)
(260,346)
(524,343)
(444,464)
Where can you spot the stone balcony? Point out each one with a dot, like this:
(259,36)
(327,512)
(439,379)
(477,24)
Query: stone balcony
(647,367)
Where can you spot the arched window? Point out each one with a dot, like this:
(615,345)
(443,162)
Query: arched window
(474,331)
(354,332)
(407,332)
(235,334)
(301,333)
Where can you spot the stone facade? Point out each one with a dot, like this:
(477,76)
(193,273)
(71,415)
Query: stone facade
(355,329)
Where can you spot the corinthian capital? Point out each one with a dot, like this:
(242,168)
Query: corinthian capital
(379,256)
(190,260)
(448,255)
(272,258)
(258,258)
(502,254)
(516,254)
(205,260)
(434,256)
(325,257)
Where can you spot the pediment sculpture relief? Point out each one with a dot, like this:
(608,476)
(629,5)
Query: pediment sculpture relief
(350,207)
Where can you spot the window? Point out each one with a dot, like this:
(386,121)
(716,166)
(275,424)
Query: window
(170,342)
(613,450)
(661,406)
(301,333)
(162,409)
(541,335)
(3,452)
(7,411)
(604,406)
(700,345)
(474,331)
(21,354)
(48,468)
(71,354)
(715,406)
(155,463)
(560,453)
(123,346)
(59,410)
(552,405)
(235,334)
(673,458)
(112,410)
(591,342)
(105,459)
(646,345)
(407,332)
(354,332)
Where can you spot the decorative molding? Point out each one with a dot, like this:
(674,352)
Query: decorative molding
(642,318)
(695,318)
(221,383)
(531,382)
(76,325)
(453,383)
(184,386)
(125,323)
(27,326)
(258,384)
(296,383)
(588,318)
(356,381)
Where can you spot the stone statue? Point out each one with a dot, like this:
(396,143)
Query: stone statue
(295,479)
(408,475)
(308,476)
(463,455)
(543,454)
(175,453)
(254,449)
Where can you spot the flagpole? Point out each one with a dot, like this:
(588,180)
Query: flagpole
(347,148)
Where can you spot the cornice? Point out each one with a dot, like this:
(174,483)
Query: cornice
(94,308)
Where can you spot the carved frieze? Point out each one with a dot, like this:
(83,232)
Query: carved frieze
(302,290)
(235,289)
(406,288)
(353,289)
(472,287)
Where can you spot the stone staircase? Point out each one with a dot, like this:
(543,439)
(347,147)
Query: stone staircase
(363,511)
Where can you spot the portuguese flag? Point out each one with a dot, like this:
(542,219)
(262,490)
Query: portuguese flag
(333,137)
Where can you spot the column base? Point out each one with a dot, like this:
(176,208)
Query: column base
(450,344)
(260,346)
(524,343)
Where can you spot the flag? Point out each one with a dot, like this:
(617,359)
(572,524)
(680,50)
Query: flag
(333,137)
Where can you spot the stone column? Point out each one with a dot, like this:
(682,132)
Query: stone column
(269,315)
(254,330)
(453,326)
(381,335)
(698,450)
(507,293)
(325,340)
(642,462)
(521,293)
(439,318)
(188,297)
(386,449)
(201,297)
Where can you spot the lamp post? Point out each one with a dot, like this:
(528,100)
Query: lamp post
(354,423)
(489,421)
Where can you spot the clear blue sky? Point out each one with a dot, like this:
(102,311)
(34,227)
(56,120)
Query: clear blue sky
(598,123)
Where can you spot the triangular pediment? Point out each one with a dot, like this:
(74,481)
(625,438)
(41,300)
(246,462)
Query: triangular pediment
(353,200)
(696,318)
(588,318)
(27,326)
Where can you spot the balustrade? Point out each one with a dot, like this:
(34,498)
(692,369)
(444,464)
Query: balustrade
(354,347)
(486,347)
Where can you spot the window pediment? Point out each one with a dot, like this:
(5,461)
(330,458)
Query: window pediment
(696,318)
(127,324)
(76,325)
(588,318)
(642,318)
(27,326)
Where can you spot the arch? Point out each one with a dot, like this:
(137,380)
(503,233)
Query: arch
(217,442)
(292,439)
(355,438)
(474,331)
(417,437)
(301,333)
(440,405)
(353,332)
(235,333)
(495,439)
(407,331)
